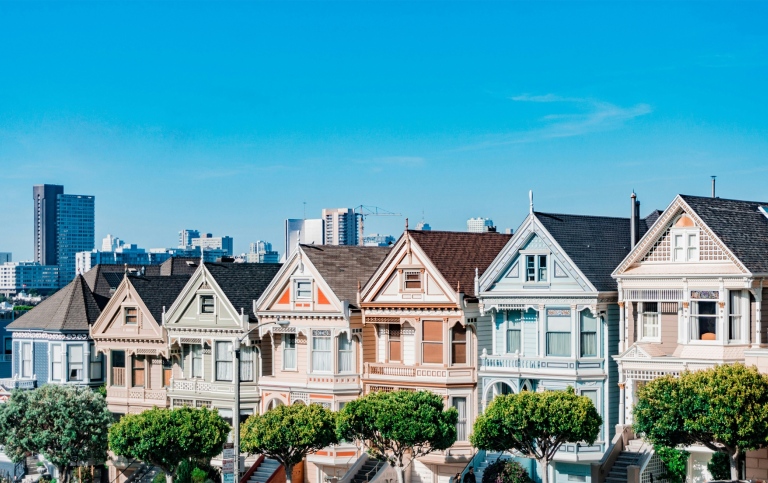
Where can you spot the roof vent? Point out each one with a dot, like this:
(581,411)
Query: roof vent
(190,263)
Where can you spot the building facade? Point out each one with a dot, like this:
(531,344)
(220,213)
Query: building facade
(75,230)
(209,242)
(420,323)
(341,226)
(308,232)
(480,225)
(261,252)
(45,199)
(317,356)
(18,277)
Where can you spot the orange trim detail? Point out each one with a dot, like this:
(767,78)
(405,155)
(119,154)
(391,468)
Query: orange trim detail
(346,453)
(321,298)
(285,298)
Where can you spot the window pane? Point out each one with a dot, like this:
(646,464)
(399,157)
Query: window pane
(588,344)
(433,330)
(412,279)
(395,351)
(513,341)
(75,356)
(246,364)
(224,358)
(57,360)
(321,351)
(542,268)
(559,324)
(530,268)
(289,351)
(460,403)
(131,315)
(459,344)
(206,304)
(432,353)
(138,371)
(704,321)
(304,290)
(559,344)
(346,358)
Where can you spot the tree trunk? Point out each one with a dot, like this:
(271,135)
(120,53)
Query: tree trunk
(62,470)
(733,458)
(168,477)
(544,463)
(288,474)
(400,470)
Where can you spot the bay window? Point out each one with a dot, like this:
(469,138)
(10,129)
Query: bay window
(459,344)
(193,355)
(514,326)
(97,364)
(346,354)
(559,332)
(75,362)
(588,334)
(432,342)
(289,352)
(224,360)
(651,321)
(138,371)
(395,343)
(246,363)
(735,309)
(26,359)
(321,351)
(704,320)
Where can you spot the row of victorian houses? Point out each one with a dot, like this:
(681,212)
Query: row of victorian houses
(601,304)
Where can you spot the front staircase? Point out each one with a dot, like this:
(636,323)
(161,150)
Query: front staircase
(490,458)
(264,471)
(367,471)
(633,455)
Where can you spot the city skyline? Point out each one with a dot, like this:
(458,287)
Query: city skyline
(357,103)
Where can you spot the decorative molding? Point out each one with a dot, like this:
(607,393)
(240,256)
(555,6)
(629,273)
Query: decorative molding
(50,336)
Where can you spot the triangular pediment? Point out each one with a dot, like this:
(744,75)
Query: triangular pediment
(187,310)
(665,247)
(126,316)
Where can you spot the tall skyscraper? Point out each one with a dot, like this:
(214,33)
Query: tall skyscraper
(340,226)
(45,197)
(76,227)
(261,252)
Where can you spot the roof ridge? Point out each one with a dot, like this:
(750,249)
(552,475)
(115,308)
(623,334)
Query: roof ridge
(723,199)
(78,278)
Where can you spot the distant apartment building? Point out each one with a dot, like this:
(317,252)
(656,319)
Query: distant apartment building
(341,226)
(64,225)
(261,252)
(17,277)
(423,226)
(130,254)
(111,243)
(208,241)
(480,225)
(186,236)
(6,257)
(376,240)
(306,232)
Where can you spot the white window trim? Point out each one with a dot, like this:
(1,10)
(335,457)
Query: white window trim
(31,361)
(296,282)
(331,353)
(685,232)
(641,326)
(200,304)
(422,280)
(295,351)
(62,348)
(523,263)
(598,335)
(746,315)
(720,337)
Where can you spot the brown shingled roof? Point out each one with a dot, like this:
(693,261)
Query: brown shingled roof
(71,308)
(457,254)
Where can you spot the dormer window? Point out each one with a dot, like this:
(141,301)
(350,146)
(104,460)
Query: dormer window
(412,280)
(304,289)
(685,240)
(536,268)
(206,304)
(131,315)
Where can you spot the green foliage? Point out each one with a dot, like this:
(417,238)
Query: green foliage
(289,433)
(719,466)
(392,424)
(725,408)
(22,308)
(66,424)
(187,469)
(675,461)
(198,475)
(159,477)
(166,437)
(506,471)
(102,390)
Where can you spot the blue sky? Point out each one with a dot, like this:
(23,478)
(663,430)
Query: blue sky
(227,117)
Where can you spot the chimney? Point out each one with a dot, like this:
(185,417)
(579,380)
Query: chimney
(633,221)
(713,186)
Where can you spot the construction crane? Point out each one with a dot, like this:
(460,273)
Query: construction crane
(362,211)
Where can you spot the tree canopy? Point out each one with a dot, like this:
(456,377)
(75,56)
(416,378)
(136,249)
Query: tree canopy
(166,437)
(66,424)
(536,424)
(393,424)
(289,433)
(724,408)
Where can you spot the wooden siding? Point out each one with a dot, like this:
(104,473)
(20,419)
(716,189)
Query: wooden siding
(369,343)
(267,350)
(485,334)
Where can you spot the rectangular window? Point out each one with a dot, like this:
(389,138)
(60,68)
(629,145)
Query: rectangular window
(8,346)
(432,342)
(530,268)
(459,344)
(588,335)
(26,359)
(395,343)
(224,361)
(193,353)
(97,364)
(75,362)
(246,364)
(56,363)
(303,289)
(559,336)
(514,326)
(412,279)
(321,351)
(460,403)
(592,395)
(704,320)
(131,315)
(651,325)
(137,373)
(118,368)
(685,246)
(542,268)
(536,268)
(206,304)
(289,352)
(167,372)
(346,354)
(734,316)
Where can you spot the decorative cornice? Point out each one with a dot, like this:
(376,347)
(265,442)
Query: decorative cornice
(414,311)
(50,335)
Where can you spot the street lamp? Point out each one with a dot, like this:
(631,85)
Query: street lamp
(236,412)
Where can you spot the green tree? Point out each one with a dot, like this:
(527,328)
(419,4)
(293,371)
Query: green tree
(505,471)
(675,462)
(398,423)
(289,433)
(166,437)
(536,424)
(66,424)
(725,408)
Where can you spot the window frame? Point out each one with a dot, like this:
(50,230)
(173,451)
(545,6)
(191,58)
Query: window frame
(327,336)
(462,424)
(533,270)
(204,305)
(514,326)
(547,350)
(349,352)
(127,316)
(135,368)
(583,332)
(189,350)
(70,363)
(54,362)
(426,342)
(394,335)
(649,318)
(454,343)
(741,314)
(224,348)
(297,290)
(95,359)
(686,248)
(286,338)
(695,317)
(30,373)
(418,280)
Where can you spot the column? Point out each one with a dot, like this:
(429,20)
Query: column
(574,331)
(622,331)
(542,324)
(87,363)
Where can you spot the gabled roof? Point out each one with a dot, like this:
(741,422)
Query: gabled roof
(158,291)
(102,280)
(740,225)
(342,267)
(73,307)
(457,254)
(179,266)
(595,244)
(243,283)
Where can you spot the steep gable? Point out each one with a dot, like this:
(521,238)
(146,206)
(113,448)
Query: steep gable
(72,308)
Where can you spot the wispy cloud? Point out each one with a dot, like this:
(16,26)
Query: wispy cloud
(587,115)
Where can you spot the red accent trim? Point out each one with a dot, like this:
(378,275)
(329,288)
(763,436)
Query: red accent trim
(252,469)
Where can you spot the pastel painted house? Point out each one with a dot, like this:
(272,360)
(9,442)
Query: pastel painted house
(317,358)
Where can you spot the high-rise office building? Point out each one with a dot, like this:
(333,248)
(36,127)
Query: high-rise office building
(5,257)
(186,236)
(341,227)
(208,241)
(76,227)
(111,243)
(261,252)
(45,197)
(308,232)
(480,225)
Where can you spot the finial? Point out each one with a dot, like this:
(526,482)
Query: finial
(406,224)
(530,198)
(458,285)
(125,270)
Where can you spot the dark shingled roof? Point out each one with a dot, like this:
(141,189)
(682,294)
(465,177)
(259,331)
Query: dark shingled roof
(456,254)
(739,225)
(243,283)
(342,267)
(179,266)
(596,244)
(102,280)
(158,291)
(72,308)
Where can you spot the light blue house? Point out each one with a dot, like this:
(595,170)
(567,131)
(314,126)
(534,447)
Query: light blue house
(556,320)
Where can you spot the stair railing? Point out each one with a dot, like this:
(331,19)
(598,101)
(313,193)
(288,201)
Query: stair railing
(252,469)
(599,471)
(374,470)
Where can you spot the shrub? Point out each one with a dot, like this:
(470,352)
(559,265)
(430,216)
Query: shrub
(159,477)
(675,462)
(504,471)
